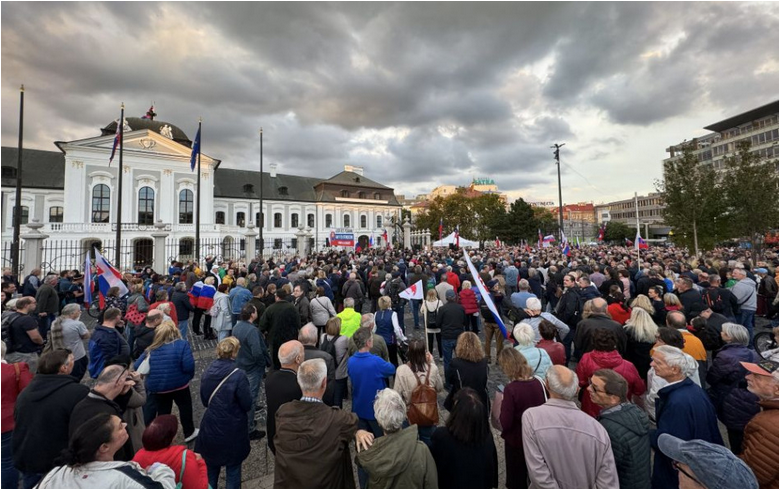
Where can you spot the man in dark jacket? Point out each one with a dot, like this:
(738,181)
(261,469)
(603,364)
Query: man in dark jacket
(281,321)
(353,288)
(47,304)
(308,336)
(568,310)
(281,385)
(627,425)
(682,410)
(302,304)
(313,439)
(597,318)
(113,381)
(719,299)
(687,294)
(106,342)
(253,358)
(258,302)
(451,322)
(182,304)
(43,414)
(145,333)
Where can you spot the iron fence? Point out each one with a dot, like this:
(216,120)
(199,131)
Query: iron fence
(8,257)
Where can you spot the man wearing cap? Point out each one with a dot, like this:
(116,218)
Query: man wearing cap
(768,289)
(682,409)
(760,445)
(703,465)
(745,291)
(451,319)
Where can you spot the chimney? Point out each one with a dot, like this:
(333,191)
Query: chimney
(272,170)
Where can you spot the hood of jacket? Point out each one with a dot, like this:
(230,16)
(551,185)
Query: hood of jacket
(606,359)
(635,421)
(44,386)
(391,455)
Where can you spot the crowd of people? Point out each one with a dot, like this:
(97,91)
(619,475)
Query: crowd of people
(620,369)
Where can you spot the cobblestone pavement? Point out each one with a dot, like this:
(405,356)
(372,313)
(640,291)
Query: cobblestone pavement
(258,468)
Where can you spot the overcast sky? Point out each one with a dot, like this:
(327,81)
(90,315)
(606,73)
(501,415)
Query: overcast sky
(418,94)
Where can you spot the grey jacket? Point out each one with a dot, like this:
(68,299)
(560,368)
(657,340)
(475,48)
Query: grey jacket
(566,448)
(745,291)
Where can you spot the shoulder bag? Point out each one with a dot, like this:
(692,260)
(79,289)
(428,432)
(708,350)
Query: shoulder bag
(220,385)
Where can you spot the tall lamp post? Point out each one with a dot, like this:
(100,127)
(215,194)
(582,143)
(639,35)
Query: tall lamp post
(16,250)
(557,147)
(260,193)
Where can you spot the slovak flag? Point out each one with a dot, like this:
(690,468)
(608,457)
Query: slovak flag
(577,242)
(108,276)
(386,239)
(440,229)
(497,242)
(601,232)
(566,250)
(415,292)
(357,247)
(628,241)
(540,239)
(372,237)
(456,235)
(88,280)
(485,295)
(117,139)
(196,149)
(640,243)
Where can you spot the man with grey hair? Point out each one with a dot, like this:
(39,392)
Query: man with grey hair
(354,289)
(282,386)
(378,344)
(683,410)
(596,317)
(556,455)
(312,439)
(238,297)
(745,291)
(398,459)
(519,298)
(308,336)
(760,445)
(350,318)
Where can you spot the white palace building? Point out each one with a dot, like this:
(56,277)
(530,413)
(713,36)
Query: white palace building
(70,195)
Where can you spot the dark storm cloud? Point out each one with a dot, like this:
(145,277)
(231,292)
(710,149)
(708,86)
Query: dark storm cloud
(415,92)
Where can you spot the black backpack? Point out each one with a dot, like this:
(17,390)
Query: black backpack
(327,345)
(395,288)
(7,333)
(711,297)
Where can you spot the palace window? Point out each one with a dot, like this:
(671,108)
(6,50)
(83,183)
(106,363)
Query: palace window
(240,219)
(56,214)
(220,217)
(100,203)
(363,221)
(186,206)
(294,220)
(328,220)
(310,220)
(278,220)
(346,220)
(146,206)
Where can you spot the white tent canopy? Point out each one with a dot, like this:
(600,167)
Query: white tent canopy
(451,239)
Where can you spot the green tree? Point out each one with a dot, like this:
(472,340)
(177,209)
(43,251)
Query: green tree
(618,231)
(751,192)
(490,217)
(692,200)
(546,222)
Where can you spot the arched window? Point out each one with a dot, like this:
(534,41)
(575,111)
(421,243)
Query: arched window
(220,217)
(377,196)
(344,193)
(100,203)
(294,220)
(328,220)
(346,220)
(56,214)
(240,219)
(379,222)
(278,220)
(186,206)
(362,195)
(146,206)
(310,220)
(363,221)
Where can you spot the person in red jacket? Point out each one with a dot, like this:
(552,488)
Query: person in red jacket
(452,278)
(617,309)
(16,376)
(157,440)
(469,302)
(605,355)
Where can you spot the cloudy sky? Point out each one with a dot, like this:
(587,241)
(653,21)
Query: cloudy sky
(418,94)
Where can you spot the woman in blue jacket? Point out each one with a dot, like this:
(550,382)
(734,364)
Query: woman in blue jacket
(225,392)
(171,368)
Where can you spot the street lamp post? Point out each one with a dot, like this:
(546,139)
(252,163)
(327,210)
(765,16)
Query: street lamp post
(557,147)
(261,193)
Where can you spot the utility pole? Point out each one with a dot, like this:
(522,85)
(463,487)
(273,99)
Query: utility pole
(557,147)
(261,193)
(16,248)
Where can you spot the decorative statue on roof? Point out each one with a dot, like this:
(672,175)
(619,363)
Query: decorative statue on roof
(150,113)
(165,130)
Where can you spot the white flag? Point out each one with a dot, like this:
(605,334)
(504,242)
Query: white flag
(415,292)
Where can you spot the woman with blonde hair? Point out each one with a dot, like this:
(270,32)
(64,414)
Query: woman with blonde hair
(522,392)
(225,392)
(672,302)
(333,343)
(469,368)
(643,302)
(642,333)
(171,368)
(387,326)
(429,309)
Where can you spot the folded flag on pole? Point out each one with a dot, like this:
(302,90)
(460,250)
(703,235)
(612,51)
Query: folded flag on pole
(196,149)
(107,276)
(497,242)
(456,235)
(88,280)
(372,237)
(150,113)
(566,250)
(440,229)
(640,242)
(117,139)
(415,292)
(628,241)
(485,296)
(601,232)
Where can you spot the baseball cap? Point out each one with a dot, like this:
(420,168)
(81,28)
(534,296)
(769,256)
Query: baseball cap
(450,294)
(766,367)
(762,270)
(713,465)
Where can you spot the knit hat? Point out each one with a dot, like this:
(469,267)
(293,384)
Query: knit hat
(713,465)
(450,295)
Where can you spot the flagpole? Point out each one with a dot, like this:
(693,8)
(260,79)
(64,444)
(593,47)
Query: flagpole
(261,194)
(118,235)
(638,234)
(16,250)
(198,200)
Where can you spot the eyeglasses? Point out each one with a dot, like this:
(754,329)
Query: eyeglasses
(123,372)
(595,389)
(690,476)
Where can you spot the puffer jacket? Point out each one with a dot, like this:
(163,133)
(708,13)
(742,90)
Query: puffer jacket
(399,461)
(223,438)
(628,428)
(596,360)
(537,358)
(761,445)
(467,298)
(728,391)
(109,475)
(171,366)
